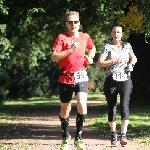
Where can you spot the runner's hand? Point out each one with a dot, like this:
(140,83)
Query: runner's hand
(75,45)
(118,60)
(88,60)
(130,67)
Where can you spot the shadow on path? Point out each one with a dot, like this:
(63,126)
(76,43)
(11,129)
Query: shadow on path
(43,123)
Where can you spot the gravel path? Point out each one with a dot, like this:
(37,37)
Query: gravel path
(40,130)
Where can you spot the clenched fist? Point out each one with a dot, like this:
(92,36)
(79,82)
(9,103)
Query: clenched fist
(75,45)
(118,60)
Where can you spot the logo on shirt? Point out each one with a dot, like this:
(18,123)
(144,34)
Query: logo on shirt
(70,42)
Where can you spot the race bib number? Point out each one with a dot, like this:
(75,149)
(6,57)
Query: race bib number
(80,76)
(120,76)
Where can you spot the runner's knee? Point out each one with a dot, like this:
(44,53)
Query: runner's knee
(82,102)
(65,110)
(82,109)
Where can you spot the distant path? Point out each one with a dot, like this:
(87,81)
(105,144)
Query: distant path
(40,130)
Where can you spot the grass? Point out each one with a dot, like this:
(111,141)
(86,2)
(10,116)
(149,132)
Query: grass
(38,102)
(98,96)
(9,109)
(138,129)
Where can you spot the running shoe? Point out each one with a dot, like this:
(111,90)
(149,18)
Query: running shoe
(123,139)
(113,139)
(65,143)
(79,144)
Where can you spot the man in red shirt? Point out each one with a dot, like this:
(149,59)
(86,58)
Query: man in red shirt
(69,51)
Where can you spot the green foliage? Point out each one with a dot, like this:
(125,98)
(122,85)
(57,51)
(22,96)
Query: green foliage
(145,8)
(39,81)
(5,45)
(5,50)
(32,27)
(3,8)
(97,77)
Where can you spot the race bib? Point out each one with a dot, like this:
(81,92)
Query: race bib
(80,76)
(120,76)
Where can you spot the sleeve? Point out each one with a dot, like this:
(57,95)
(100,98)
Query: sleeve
(105,50)
(90,43)
(58,44)
(130,49)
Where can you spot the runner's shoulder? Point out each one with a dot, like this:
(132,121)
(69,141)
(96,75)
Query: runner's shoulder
(62,35)
(84,35)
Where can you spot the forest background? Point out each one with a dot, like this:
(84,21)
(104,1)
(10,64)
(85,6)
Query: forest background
(28,30)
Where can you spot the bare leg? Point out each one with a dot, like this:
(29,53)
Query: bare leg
(64,118)
(82,102)
(81,116)
(112,126)
(124,125)
(65,110)
(82,112)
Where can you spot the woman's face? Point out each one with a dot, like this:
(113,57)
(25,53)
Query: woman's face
(117,33)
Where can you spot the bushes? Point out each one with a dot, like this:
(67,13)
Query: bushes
(39,81)
(96,78)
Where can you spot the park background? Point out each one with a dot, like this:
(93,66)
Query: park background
(28,78)
(28,30)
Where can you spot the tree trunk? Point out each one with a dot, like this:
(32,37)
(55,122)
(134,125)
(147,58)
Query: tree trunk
(141,73)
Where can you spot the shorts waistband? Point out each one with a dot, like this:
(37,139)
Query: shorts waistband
(68,74)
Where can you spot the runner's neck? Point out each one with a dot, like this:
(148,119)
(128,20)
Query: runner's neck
(74,35)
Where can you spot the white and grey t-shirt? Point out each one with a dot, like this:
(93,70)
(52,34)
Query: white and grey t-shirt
(111,52)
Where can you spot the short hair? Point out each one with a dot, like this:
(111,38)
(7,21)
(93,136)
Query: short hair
(118,25)
(72,13)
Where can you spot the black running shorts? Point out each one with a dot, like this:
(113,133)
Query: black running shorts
(66,90)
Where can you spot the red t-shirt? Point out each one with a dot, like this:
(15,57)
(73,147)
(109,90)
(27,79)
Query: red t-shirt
(74,61)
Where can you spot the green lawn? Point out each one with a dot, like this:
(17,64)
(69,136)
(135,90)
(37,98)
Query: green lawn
(139,125)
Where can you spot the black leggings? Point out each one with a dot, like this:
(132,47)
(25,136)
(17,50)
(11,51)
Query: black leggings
(111,90)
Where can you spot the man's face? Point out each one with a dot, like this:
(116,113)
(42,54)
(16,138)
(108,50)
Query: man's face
(73,23)
(117,33)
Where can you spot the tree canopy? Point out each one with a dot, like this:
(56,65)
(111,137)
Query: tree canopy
(29,28)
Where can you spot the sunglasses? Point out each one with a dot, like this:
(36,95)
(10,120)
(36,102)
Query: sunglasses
(73,22)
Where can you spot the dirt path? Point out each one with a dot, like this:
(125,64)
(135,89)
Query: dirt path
(40,130)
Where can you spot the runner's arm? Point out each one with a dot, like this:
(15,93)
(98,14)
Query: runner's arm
(102,62)
(91,53)
(90,56)
(56,56)
(133,59)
